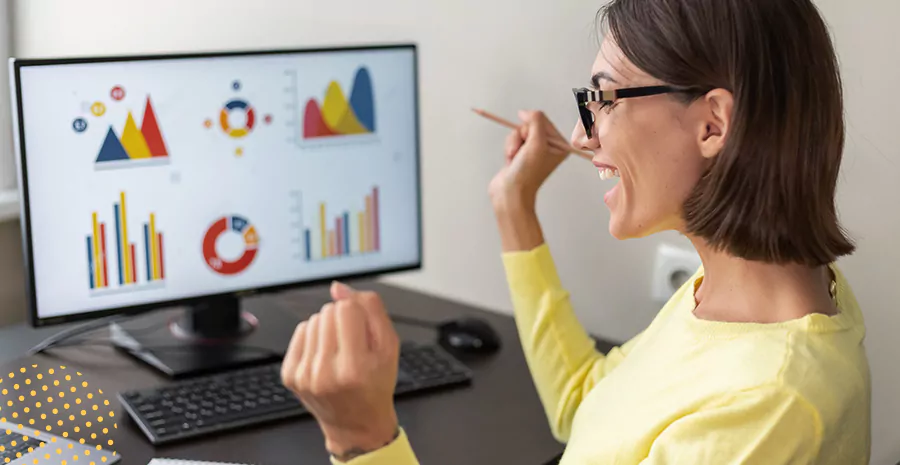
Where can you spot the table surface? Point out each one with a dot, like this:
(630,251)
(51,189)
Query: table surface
(497,419)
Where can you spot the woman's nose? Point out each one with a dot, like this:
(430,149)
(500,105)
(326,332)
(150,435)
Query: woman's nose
(580,139)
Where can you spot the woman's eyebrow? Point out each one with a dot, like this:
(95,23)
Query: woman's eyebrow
(602,75)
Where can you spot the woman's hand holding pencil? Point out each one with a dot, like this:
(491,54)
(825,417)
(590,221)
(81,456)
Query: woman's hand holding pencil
(565,146)
(533,151)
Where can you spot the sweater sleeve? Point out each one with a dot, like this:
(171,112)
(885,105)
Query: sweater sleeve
(769,425)
(561,356)
(399,452)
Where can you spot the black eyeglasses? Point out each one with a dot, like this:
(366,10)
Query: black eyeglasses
(584,96)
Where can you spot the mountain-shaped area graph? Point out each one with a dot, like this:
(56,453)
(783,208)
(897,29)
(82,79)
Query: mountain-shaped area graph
(135,144)
(337,116)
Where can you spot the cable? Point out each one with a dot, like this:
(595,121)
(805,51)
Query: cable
(73,342)
(83,328)
(412,321)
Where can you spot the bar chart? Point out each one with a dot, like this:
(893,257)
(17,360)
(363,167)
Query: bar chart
(126,261)
(342,234)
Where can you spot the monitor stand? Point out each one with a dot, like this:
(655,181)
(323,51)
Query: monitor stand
(211,336)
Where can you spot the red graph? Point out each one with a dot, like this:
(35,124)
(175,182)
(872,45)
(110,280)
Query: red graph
(103,254)
(314,123)
(150,130)
(237,225)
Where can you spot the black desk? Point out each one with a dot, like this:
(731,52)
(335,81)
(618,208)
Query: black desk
(498,419)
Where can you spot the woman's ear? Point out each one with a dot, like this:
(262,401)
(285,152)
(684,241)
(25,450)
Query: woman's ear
(717,106)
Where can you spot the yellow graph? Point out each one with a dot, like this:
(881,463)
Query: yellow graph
(133,140)
(337,112)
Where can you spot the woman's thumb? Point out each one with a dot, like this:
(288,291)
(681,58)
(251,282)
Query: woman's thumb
(340,291)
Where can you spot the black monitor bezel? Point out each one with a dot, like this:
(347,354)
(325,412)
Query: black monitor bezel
(16,67)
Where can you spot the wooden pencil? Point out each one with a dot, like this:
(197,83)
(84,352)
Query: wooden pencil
(582,153)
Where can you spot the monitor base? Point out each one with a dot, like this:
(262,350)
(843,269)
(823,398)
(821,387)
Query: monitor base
(213,336)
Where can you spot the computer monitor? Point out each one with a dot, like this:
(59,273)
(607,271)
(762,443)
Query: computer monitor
(154,181)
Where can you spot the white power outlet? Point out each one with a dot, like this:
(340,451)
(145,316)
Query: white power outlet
(673,267)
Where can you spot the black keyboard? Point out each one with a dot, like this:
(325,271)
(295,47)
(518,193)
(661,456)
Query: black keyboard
(13,445)
(250,396)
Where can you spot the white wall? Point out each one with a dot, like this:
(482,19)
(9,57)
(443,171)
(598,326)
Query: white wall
(7,163)
(509,54)
(868,43)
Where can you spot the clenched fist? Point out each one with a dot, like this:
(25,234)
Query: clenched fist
(342,364)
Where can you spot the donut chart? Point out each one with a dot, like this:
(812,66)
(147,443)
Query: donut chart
(237,225)
(237,104)
(238,118)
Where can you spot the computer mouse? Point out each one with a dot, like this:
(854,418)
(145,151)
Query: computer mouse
(468,336)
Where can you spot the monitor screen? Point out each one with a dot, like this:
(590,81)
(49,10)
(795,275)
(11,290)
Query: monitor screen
(157,180)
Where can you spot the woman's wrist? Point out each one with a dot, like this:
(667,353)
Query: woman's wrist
(517,221)
(513,201)
(345,444)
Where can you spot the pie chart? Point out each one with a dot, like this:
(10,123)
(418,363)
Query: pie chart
(233,224)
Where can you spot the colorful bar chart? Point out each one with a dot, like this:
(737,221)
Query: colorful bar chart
(345,234)
(153,248)
(97,261)
(126,257)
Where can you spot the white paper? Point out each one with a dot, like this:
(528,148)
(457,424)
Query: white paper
(185,462)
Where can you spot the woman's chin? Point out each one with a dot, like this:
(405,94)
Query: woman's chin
(623,227)
(618,229)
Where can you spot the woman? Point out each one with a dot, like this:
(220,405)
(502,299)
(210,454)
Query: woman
(723,120)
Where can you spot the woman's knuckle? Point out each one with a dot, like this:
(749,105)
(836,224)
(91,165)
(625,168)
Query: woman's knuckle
(371,299)
(287,378)
(316,388)
(298,381)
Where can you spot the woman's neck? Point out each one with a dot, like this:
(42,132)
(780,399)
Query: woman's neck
(737,290)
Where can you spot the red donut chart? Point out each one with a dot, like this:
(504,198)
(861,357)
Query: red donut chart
(237,225)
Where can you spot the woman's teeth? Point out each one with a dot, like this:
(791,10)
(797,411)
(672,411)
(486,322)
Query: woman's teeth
(608,174)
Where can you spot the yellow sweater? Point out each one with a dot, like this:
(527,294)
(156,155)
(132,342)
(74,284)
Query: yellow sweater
(688,390)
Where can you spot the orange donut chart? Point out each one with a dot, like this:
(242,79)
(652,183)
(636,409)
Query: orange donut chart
(237,104)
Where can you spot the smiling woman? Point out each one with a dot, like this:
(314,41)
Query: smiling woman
(776,172)
(721,120)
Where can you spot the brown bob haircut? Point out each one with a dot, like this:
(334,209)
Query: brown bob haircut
(769,195)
